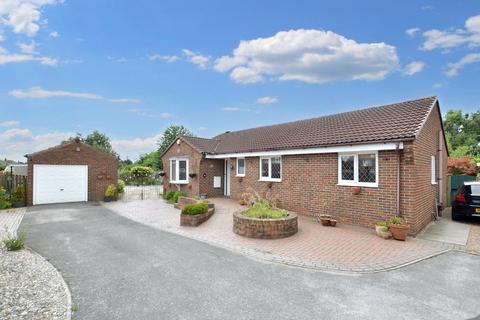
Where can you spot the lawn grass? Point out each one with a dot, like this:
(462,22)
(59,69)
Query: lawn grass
(262,211)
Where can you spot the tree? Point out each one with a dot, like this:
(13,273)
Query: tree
(151,160)
(100,141)
(96,139)
(170,134)
(463,133)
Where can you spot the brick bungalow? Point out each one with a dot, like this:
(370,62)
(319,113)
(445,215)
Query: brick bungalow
(395,155)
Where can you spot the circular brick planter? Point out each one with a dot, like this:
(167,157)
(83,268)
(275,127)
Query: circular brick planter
(265,228)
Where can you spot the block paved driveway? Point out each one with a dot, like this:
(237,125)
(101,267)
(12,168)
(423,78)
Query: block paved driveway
(120,269)
(344,248)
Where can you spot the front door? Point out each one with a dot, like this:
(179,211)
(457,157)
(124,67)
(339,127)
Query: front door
(226,178)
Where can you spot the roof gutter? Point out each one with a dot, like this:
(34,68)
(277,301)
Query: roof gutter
(332,149)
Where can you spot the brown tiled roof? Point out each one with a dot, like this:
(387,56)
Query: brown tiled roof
(389,123)
(202,144)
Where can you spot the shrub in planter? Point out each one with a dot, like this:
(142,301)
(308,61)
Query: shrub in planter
(399,228)
(120,186)
(172,197)
(381,228)
(110,193)
(194,209)
(4,199)
(169,195)
(18,197)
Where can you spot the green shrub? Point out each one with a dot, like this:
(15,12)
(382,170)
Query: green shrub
(111,191)
(15,243)
(264,211)
(120,186)
(194,209)
(18,195)
(169,195)
(4,199)
(397,220)
(177,195)
(382,223)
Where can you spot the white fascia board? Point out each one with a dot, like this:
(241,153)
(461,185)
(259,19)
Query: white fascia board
(336,149)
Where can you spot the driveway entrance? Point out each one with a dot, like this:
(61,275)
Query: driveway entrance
(119,269)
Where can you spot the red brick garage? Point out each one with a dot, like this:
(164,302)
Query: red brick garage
(71,172)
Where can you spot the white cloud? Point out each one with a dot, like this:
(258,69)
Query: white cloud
(202,128)
(54,34)
(7,57)
(28,48)
(448,39)
(312,56)
(132,148)
(9,124)
(39,93)
(17,142)
(196,58)
(413,67)
(23,16)
(125,100)
(412,32)
(149,114)
(453,68)
(167,58)
(267,100)
(234,109)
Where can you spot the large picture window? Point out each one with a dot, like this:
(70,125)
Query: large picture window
(179,171)
(359,169)
(271,168)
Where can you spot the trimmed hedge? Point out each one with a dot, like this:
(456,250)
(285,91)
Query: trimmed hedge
(194,209)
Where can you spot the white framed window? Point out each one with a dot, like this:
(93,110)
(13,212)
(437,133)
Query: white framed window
(179,170)
(240,167)
(271,169)
(433,168)
(358,169)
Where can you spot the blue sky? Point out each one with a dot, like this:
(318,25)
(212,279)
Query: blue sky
(132,68)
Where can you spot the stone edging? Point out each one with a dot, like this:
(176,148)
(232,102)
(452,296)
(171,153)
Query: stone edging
(65,285)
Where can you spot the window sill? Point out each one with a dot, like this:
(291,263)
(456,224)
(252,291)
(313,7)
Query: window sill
(434,183)
(240,175)
(269,180)
(358,184)
(179,182)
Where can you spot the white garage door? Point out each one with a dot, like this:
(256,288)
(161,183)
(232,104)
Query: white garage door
(59,183)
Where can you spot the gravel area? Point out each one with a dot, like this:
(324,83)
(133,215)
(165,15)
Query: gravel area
(31,288)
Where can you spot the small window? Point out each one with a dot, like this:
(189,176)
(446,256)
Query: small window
(434,171)
(271,168)
(359,169)
(179,170)
(240,167)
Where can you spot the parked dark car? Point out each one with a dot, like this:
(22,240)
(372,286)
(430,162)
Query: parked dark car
(467,201)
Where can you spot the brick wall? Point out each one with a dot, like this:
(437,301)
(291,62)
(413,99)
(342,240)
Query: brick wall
(194,159)
(102,167)
(208,169)
(426,145)
(310,180)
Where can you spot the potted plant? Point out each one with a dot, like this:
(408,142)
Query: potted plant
(244,198)
(18,197)
(333,222)
(399,228)
(192,175)
(162,174)
(325,220)
(381,228)
(110,193)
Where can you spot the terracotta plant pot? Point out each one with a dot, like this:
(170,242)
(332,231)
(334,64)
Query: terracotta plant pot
(325,221)
(399,231)
(356,190)
(333,222)
(242,202)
